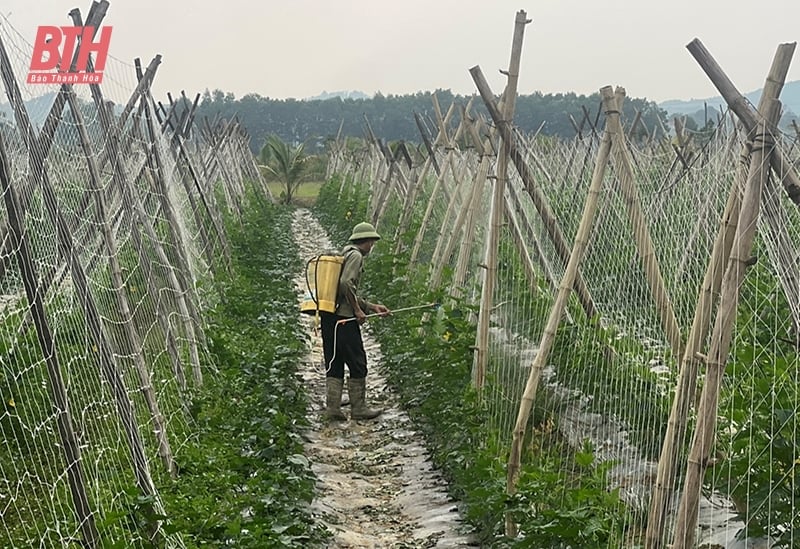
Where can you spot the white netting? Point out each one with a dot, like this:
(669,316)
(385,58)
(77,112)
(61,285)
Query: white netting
(142,227)
(610,382)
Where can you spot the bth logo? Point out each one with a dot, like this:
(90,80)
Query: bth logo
(54,53)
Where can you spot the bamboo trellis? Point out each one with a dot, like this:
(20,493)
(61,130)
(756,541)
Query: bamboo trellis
(538,222)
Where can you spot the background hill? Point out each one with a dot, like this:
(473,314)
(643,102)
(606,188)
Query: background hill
(349,94)
(392,117)
(790,97)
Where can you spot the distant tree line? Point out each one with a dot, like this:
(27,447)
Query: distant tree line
(391,117)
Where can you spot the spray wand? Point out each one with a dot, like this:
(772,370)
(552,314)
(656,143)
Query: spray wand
(426,306)
(346,320)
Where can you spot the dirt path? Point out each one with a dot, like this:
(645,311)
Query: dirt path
(376,487)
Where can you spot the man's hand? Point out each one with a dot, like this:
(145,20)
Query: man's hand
(382,310)
(361,318)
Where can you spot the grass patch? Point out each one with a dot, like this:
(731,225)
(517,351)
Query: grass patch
(305,195)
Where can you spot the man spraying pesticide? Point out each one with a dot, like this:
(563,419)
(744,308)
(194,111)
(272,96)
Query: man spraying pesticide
(333,296)
(341,317)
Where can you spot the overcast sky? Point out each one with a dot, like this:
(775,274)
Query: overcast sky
(299,48)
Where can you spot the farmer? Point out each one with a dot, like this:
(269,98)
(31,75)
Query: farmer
(341,336)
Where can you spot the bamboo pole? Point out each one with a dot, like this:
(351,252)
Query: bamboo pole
(65,243)
(527,233)
(465,249)
(173,225)
(134,203)
(690,363)
(641,233)
(430,160)
(536,194)
(133,339)
(456,202)
(702,442)
(496,216)
(382,196)
(565,288)
(58,394)
(183,159)
(511,209)
(439,185)
(467,206)
(741,107)
(684,393)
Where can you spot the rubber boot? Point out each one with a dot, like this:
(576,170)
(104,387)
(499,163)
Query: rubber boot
(358,400)
(333,399)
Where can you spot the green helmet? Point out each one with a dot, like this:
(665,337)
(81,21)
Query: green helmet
(364,231)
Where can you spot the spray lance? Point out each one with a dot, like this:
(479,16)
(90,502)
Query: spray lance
(346,320)
(415,307)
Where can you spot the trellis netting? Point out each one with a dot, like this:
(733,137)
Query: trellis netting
(606,391)
(112,235)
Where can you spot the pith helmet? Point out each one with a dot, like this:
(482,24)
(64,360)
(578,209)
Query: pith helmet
(364,230)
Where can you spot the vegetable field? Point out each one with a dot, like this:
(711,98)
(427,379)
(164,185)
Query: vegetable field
(614,361)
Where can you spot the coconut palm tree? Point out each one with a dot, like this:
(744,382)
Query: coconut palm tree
(285,162)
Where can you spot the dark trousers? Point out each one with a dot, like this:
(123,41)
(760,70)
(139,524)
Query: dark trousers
(349,348)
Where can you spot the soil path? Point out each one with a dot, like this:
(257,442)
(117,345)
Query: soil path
(376,487)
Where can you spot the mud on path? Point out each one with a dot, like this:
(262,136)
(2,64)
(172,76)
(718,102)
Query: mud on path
(376,487)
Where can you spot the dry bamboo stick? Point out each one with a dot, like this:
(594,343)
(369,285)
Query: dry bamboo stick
(676,425)
(565,288)
(456,200)
(641,233)
(763,147)
(70,446)
(465,249)
(133,338)
(496,216)
(739,105)
(684,393)
(408,206)
(538,197)
(439,185)
(467,205)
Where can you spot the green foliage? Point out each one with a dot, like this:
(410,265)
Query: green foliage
(585,514)
(285,162)
(435,386)
(243,479)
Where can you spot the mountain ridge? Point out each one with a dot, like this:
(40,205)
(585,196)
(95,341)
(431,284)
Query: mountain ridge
(790,97)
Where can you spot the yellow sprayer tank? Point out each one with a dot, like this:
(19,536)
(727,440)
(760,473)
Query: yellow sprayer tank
(322,281)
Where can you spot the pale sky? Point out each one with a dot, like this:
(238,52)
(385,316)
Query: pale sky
(299,48)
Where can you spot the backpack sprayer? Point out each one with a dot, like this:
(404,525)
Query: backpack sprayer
(322,280)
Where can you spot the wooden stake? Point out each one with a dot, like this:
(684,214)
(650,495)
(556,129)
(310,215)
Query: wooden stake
(536,194)
(58,393)
(133,339)
(641,233)
(739,105)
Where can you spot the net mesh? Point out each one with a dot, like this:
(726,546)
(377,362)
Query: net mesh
(608,385)
(135,216)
